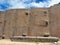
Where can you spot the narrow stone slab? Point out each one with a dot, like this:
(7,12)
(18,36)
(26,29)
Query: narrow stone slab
(9,42)
(34,39)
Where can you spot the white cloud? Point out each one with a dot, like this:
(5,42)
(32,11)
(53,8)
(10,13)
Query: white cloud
(40,4)
(2,1)
(45,4)
(54,2)
(18,5)
(23,3)
(28,3)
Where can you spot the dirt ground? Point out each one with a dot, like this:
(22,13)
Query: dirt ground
(9,42)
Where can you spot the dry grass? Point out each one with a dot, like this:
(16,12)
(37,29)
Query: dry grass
(8,42)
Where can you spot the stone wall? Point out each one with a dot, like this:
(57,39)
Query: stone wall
(55,20)
(30,22)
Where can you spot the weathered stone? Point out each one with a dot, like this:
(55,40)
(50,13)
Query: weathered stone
(30,22)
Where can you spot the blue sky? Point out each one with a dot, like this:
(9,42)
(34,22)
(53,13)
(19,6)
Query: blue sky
(13,4)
